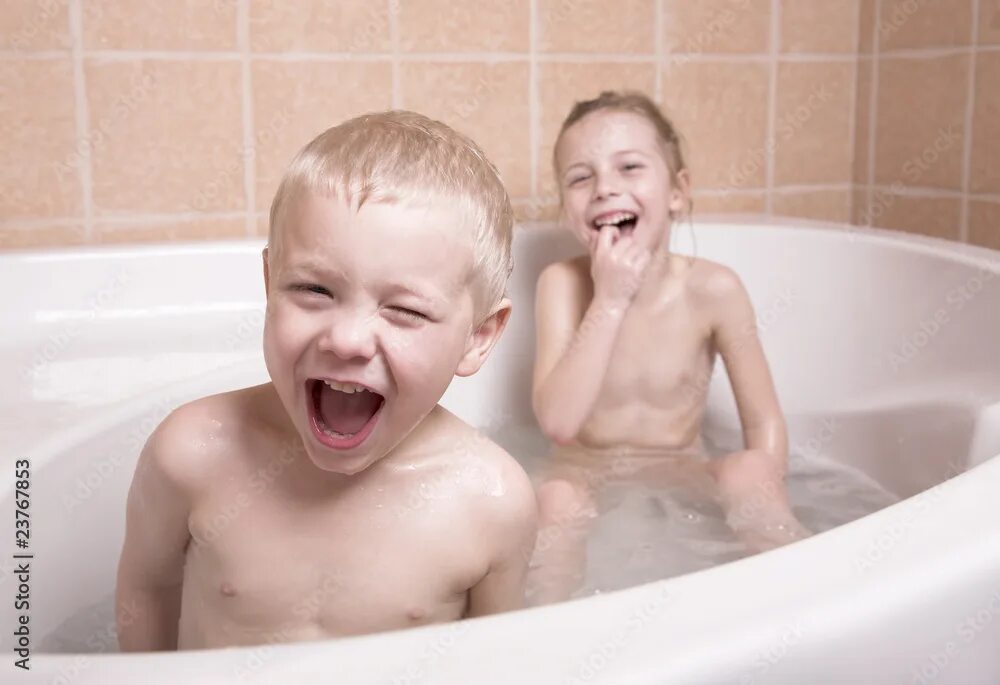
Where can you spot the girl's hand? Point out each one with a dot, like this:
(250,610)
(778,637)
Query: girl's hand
(617,265)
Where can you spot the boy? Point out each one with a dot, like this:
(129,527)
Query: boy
(273,513)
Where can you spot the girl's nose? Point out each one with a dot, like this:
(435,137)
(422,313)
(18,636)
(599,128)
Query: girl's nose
(605,186)
(350,335)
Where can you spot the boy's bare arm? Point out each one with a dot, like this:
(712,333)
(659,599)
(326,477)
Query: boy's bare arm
(573,352)
(738,343)
(150,571)
(511,532)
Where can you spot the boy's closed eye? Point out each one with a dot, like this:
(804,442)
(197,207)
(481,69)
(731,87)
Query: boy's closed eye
(577,180)
(311,288)
(410,314)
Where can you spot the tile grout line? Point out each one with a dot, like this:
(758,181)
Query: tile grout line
(83,148)
(873,111)
(581,57)
(770,140)
(855,99)
(919,191)
(660,56)
(970,108)
(249,147)
(169,217)
(534,113)
(397,91)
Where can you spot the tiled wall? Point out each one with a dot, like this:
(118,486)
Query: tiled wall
(151,120)
(927,155)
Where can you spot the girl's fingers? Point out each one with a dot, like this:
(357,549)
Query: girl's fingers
(606,238)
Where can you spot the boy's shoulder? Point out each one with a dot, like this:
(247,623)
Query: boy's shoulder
(198,438)
(472,462)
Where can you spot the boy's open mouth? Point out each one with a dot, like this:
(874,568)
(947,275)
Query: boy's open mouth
(624,221)
(342,414)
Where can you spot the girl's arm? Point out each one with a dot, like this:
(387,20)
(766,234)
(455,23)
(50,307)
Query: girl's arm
(735,332)
(575,340)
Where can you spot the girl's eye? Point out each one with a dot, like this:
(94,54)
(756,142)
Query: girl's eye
(631,166)
(576,180)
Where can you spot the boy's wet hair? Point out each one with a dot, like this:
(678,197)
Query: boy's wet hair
(637,103)
(401,156)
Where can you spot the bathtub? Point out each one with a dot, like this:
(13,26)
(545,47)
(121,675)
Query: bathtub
(884,350)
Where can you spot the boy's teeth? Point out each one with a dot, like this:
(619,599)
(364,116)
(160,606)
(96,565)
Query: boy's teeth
(345,387)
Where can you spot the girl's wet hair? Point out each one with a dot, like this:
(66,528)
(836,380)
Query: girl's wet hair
(637,103)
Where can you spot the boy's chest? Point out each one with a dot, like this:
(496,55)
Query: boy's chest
(338,569)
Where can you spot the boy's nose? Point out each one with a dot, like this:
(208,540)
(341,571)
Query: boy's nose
(350,336)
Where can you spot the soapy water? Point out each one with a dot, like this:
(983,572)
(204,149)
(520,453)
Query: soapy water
(641,534)
(645,533)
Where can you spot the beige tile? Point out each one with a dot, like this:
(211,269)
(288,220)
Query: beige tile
(626,26)
(157,25)
(933,216)
(39,155)
(729,203)
(34,25)
(448,26)
(320,25)
(720,109)
(157,151)
(813,125)
(819,26)
(488,102)
(986,125)
(984,223)
(561,84)
(921,125)
(821,205)
(41,237)
(859,206)
(866,27)
(717,26)
(989,22)
(262,224)
(295,101)
(862,121)
(170,231)
(908,24)
(536,209)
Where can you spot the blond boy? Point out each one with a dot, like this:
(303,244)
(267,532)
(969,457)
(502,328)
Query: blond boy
(340,498)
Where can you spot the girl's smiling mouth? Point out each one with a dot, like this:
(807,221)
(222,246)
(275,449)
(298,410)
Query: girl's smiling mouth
(624,220)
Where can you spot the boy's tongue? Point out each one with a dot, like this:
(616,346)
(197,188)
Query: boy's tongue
(346,413)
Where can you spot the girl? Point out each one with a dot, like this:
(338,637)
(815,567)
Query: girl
(627,338)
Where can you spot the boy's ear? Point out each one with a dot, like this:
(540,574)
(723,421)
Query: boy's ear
(267,274)
(483,339)
(681,192)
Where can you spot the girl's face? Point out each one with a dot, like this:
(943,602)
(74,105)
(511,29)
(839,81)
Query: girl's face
(612,171)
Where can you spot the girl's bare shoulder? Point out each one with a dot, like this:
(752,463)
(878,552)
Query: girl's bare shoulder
(711,282)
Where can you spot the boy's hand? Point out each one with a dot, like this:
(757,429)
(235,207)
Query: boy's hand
(617,265)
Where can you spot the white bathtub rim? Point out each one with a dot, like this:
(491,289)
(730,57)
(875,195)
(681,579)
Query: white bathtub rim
(965,253)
